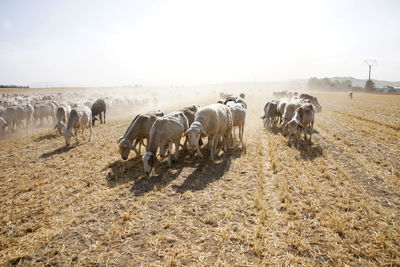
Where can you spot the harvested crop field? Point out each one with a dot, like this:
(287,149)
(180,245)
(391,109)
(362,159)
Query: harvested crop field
(335,201)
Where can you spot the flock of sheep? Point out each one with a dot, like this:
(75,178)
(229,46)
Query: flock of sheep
(29,111)
(162,131)
(294,115)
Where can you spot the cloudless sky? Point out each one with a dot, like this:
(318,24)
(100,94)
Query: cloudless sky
(188,42)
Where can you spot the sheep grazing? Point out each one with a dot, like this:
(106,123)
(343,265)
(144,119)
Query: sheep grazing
(79,118)
(214,121)
(62,116)
(165,131)
(290,108)
(190,112)
(303,118)
(271,114)
(314,101)
(98,108)
(138,130)
(238,119)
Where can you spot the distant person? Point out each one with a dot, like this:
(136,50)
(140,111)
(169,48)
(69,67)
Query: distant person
(351,94)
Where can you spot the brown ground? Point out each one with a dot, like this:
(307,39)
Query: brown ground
(333,202)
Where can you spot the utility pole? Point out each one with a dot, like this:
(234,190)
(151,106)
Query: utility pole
(370,63)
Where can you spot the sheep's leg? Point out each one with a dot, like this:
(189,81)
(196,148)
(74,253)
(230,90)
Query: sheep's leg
(169,155)
(140,144)
(312,129)
(211,143)
(176,151)
(76,135)
(134,147)
(83,135)
(198,150)
(104,116)
(241,127)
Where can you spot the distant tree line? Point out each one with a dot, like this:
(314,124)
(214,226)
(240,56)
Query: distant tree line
(13,86)
(327,84)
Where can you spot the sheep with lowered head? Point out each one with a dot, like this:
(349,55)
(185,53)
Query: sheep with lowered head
(79,118)
(62,114)
(138,130)
(165,131)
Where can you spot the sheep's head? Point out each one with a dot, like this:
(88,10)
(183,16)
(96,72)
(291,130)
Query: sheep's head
(293,126)
(67,136)
(94,119)
(148,162)
(125,148)
(194,134)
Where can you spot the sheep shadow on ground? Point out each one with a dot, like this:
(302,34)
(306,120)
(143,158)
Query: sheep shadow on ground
(309,150)
(208,171)
(124,171)
(57,151)
(48,136)
(132,170)
(164,175)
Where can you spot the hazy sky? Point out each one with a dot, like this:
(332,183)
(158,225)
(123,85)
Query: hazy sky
(188,42)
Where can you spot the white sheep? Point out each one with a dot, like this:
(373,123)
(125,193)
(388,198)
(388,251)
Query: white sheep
(290,108)
(238,119)
(62,114)
(214,121)
(165,131)
(303,118)
(79,118)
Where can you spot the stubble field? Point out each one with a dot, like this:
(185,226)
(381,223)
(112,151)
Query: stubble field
(335,201)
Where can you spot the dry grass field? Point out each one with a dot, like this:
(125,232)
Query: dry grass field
(335,201)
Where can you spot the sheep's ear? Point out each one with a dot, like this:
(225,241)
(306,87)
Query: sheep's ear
(119,139)
(185,133)
(203,132)
(301,125)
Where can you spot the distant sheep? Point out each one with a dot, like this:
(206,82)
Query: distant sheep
(45,110)
(271,114)
(290,108)
(302,119)
(165,131)
(99,108)
(79,118)
(314,101)
(13,116)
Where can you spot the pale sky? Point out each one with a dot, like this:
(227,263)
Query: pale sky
(190,42)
